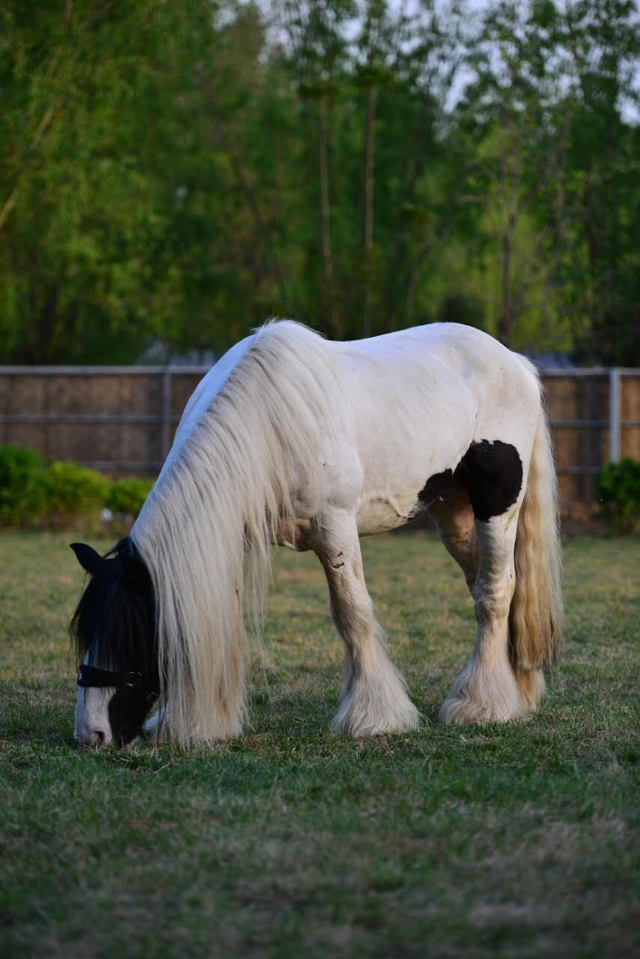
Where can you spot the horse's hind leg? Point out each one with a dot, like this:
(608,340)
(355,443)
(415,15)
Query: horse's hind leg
(491,476)
(487,690)
(456,524)
(453,515)
(374,698)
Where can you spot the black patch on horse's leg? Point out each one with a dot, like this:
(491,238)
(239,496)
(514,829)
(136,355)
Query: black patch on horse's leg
(434,488)
(492,475)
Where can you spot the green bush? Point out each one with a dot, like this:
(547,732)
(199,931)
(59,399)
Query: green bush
(618,492)
(33,491)
(128,495)
(22,493)
(73,490)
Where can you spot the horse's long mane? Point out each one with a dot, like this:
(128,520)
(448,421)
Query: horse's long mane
(206,530)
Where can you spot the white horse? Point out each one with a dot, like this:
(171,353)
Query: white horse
(296,440)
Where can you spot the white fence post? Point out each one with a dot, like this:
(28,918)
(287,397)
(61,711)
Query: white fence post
(614,415)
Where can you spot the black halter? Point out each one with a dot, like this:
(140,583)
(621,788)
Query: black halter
(93,676)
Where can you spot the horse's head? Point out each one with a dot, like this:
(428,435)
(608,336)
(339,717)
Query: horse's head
(115,635)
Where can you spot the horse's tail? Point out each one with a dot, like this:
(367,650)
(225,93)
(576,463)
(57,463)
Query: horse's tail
(535,617)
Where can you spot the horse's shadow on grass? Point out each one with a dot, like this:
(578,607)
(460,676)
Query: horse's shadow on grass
(281,722)
(293,715)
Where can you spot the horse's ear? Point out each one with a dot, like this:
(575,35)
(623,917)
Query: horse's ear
(87,557)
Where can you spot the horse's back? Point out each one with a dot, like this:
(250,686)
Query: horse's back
(416,400)
(440,351)
(444,378)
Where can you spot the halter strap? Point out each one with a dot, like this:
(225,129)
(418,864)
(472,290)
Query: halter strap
(93,676)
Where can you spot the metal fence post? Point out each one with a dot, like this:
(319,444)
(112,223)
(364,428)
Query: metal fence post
(614,415)
(166,412)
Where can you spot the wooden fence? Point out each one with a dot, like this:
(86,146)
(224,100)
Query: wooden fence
(122,419)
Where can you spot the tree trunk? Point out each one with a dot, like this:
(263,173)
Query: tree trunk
(508,311)
(504,320)
(327,256)
(368,210)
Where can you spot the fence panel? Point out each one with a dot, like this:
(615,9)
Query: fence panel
(630,414)
(122,419)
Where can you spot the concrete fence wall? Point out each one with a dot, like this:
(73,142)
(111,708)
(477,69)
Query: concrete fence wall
(122,419)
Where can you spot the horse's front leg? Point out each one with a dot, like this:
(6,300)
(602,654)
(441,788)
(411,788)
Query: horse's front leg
(374,697)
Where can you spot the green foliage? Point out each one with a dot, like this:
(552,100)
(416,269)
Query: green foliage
(618,492)
(461,308)
(72,490)
(22,491)
(180,171)
(33,491)
(128,495)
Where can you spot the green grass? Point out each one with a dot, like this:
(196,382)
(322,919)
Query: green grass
(520,840)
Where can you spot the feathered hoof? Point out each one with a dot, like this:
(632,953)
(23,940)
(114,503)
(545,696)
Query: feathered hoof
(463,712)
(363,716)
(478,699)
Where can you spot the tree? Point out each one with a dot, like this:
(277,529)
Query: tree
(183,171)
(601,268)
(553,171)
(84,214)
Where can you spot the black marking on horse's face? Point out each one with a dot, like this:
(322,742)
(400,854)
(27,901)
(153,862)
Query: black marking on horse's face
(128,709)
(114,624)
(491,472)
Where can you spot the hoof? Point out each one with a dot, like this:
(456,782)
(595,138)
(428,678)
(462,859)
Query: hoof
(480,696)
(363,716)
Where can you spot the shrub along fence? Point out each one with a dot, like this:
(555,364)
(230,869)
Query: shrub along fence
(121,420)
(37,492)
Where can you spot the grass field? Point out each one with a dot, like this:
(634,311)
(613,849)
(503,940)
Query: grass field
(520,840)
